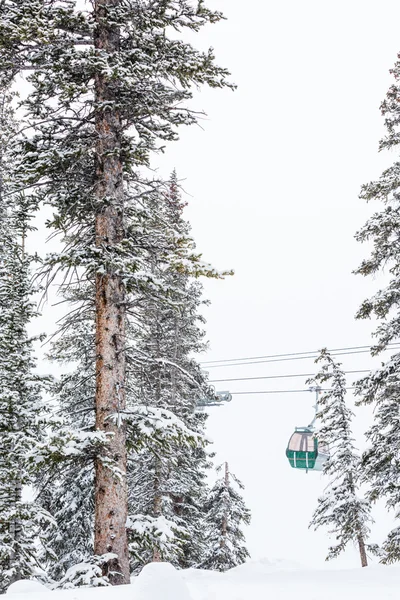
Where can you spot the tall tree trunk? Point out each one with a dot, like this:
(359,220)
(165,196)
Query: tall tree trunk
(360,539)
(363,553)
(111,503)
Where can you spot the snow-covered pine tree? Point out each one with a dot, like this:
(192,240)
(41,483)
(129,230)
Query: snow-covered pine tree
(226,513)
(22,520)
(381,462)
(109,83)
(166,517)
(20,413)
(67,485)
(69,498)
(340,509)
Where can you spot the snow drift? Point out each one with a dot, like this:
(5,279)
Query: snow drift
(256,580)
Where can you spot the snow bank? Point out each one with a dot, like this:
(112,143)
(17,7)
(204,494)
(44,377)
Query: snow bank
(27,587)
(160,581)
(259,580)
(286,580)
(253,581)
(27,590)
(157,581)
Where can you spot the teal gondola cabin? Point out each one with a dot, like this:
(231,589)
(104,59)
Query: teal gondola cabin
(304,452)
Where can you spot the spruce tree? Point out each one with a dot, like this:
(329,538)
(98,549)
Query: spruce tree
(163,387)
(67,483)
(109,85)
(68,474)
(22,413)
(226,513)
(169,332)
(381,462)
(340,508)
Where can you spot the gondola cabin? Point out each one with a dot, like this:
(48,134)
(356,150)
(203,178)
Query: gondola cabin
(304,452)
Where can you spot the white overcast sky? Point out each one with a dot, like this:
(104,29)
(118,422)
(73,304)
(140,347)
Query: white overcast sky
(274,176)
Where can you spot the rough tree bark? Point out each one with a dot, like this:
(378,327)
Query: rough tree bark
(111,504)
(360,538)
(363,552)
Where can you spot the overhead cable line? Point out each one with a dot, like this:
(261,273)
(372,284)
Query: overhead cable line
(280,376)
(287,354)
(312,353)
(283,391)
(259,362)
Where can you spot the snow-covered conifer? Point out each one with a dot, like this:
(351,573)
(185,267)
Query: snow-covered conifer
(226,513)
(109,85)
(162,389)
(22,520)
(341,508)
(168,335)
(381,462)
(67,482)
(89,573)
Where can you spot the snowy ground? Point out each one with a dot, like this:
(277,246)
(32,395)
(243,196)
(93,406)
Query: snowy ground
(262,580)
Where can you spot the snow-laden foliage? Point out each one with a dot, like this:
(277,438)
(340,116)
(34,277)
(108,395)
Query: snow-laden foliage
(148,534)
(168,332)
(341,508)
(69,498)
(86,574)
(110,82)
(163,387)
(226,513)
(22,414)
(381,462)
(147,81)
